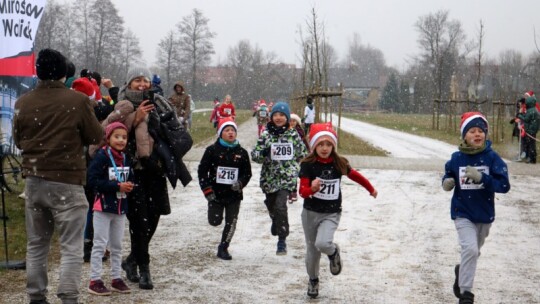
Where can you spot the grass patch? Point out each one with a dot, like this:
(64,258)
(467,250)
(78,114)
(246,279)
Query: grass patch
(202,129)
(420,124)
(349,144)
(16,231)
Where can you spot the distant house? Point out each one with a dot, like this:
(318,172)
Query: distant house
(360,90)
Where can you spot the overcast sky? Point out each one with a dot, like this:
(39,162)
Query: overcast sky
(384,24)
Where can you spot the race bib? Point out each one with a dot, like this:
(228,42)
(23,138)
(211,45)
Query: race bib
(466,183)
(263,113)
(226,175)
(282,151)
(123,173)
(329,189)
(227,111)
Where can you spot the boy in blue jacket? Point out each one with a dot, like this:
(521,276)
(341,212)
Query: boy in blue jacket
(476,173)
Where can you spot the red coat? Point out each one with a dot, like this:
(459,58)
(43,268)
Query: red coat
(227,110)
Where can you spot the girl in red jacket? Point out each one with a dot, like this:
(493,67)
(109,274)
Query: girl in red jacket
(320,180)
(227,108)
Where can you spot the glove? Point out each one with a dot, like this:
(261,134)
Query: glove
(237,186)
(448,184)
(209,195)
(473,173)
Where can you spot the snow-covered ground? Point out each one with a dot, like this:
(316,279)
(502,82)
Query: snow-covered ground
(398,248)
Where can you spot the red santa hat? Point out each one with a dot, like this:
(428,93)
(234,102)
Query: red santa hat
(262,102)
(322,131)
(96,89)
(224,122)
(529,94)
(473,119)
(84,86)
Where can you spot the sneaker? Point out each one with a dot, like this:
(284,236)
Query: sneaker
(281,248)
(457,293)
(335,262)
(313,288)
(118,285)
(466,298)
(98,288)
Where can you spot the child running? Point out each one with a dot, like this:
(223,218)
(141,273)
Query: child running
(224,171)
(320,186)
(476,173)
(279,149)
(109,176)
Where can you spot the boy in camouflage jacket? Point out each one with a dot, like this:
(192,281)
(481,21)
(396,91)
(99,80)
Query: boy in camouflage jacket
(279,150)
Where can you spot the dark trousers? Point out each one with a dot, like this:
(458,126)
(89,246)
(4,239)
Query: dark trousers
(530,148)
(276,203)
(215,217)
(144,212)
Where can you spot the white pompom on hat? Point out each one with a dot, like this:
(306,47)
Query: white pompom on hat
(473,119)
(224,122)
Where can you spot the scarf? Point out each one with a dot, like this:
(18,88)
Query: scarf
(467,149)
(135,96)
(275,130)
(117,156)
(227,144)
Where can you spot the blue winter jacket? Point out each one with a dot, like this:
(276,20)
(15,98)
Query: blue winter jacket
(104,189)
(476,201)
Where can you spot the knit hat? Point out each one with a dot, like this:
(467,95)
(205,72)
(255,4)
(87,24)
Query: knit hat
(473,119)
(282,107)
(262,102)
(51,65)
(113,126)
(296,118)
(529,94)
(85,86)
(322,131)
(224,122)
(137,71)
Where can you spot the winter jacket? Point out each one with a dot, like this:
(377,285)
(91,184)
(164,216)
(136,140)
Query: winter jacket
(214,117)
(531,118)
(262,115)
(51,126)
(181,103)
(227,110)
(229,164)
(309,114)
(476,202)
(328,198)
(105,188)
(279,155)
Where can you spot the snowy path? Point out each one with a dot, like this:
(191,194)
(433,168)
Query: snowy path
(399,144)
(398,248)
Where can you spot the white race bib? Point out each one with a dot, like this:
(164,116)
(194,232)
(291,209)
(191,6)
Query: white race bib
(329,189)
(123,172)
(262,113)
(227,111)
(467,183)
(226,175)
(282,151)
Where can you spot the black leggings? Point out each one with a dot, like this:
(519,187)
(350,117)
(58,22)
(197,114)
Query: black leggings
(215,217)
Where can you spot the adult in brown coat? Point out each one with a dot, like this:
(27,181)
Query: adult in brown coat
(181,102)
(51,126)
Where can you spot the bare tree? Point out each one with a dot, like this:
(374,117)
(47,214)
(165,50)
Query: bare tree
(106,34)
(195,44)
(440,41)
(479,57)
(168,58)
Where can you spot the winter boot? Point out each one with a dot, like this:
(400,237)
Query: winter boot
(130,267)
(466,298)
(87,251)
(457,293)
(281,248)
(223,252)
(335,262)
(313,288)
(145,281)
